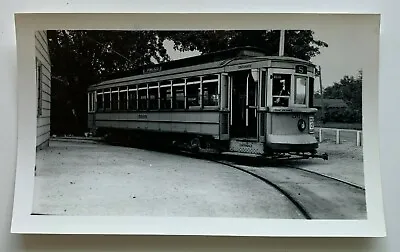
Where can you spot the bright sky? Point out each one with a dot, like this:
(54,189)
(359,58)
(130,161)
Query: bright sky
(344,55)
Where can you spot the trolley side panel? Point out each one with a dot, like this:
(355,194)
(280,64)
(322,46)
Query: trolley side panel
(203,123)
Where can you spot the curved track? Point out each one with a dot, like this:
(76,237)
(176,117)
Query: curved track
(317,196)
(328,177)
(291,198)
(277,187)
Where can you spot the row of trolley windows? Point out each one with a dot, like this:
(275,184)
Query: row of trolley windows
(153,97)
(163,95)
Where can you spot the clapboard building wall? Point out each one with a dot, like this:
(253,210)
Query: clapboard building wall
(43,89)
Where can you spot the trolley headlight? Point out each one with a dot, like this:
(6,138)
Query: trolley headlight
(311,124)
(301,125)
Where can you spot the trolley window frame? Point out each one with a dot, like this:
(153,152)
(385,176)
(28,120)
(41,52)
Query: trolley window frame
(92,101)
(270,96)
(276,70)
(263,85)
(297,76)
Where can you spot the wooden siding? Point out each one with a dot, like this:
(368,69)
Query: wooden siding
(43,85)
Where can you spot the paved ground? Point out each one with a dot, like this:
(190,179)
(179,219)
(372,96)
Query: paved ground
(94,179)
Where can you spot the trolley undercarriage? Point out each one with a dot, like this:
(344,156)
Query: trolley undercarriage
(206,144)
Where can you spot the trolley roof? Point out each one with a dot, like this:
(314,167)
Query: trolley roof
(232,56)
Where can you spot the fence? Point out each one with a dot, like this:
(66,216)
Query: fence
(340,135)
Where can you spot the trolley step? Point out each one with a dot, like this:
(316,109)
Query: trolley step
(248,146)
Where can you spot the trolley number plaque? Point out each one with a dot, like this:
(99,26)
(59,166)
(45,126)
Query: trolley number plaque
(297,116)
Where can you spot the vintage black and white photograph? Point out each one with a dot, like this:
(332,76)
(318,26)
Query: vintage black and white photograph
(200,123)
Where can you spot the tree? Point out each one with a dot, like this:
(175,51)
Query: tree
(298,43)
(349,89)
(81,58)
(84,57)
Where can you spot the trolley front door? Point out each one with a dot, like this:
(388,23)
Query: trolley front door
(243,105)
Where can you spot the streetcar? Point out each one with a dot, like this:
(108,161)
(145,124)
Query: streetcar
(239,101)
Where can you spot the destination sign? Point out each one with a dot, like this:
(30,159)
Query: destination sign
(244,66)
(152,69)
(301,69)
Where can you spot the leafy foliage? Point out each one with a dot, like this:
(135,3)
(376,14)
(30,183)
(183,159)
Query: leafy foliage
(81,57)
(349,89)
(298,43)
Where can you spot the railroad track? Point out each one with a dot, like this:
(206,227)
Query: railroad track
(338,199)
(315,195)
(328,177)
(290,197)
(282,164)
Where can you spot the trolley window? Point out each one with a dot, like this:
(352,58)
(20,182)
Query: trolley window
(263,89)
(132,98)
(153,96)
(210,90)
(107,100)
(91,101)
(99,101)
(123,99)
(143,98)
(193,92)
(114,99)
(165,95)
(281,90)
(178,93)
(300,90)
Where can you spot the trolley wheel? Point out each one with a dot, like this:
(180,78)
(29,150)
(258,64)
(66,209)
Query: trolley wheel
(195,144)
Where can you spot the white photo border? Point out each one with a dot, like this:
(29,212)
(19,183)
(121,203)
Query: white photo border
(25,223)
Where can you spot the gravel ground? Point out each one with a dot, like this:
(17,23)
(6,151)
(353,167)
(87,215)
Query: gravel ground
(322,198)
(346,136)
(345,162)
(93,179)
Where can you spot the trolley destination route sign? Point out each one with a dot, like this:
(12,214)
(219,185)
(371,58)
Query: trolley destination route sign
(296,110)
(281,110)
(244,66)
(300,69)
(152,69)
